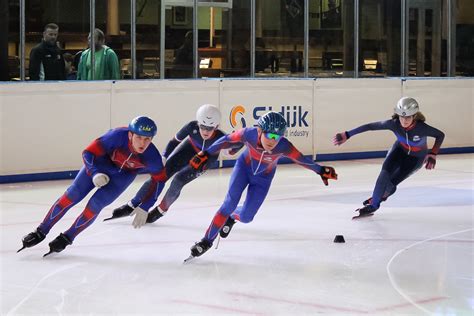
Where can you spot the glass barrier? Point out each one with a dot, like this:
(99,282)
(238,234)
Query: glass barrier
(379,38)
(331,38)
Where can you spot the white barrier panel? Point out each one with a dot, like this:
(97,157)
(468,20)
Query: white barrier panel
(45,127)
(448,105)
(244,101)
(343,104)
(171,104)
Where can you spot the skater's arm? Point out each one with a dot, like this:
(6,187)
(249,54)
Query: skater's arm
(296,156)
(178,138)
(341,138)
(325,172)
(439,138)
(99,147)
(227,141)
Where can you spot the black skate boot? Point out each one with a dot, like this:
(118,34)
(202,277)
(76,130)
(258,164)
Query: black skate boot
(365,211)
(58,244)
(32,239)
(154,215)
(225,230)
(122,211)
(199,249)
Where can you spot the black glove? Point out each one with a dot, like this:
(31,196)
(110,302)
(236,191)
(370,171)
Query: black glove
(198,162)
(328,173)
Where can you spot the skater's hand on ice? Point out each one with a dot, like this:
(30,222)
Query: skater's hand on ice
(100,179)
(198,162)
(328,173)
(340,138)
(140,217)
(430,161)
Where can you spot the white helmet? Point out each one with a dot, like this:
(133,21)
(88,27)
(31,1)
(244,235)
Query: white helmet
(406,106)
(208,115)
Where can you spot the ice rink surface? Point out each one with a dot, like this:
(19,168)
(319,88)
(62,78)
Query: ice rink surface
(415,256)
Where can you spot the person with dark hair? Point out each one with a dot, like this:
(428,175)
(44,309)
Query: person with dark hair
(408,153)
(254,170)
(105,60)
(46,59)
(111,163)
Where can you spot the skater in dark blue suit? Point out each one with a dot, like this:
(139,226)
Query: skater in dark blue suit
(111,163)
(407,155)
(254,170)
(192,138)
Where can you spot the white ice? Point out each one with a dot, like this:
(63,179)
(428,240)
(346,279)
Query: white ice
(413,257)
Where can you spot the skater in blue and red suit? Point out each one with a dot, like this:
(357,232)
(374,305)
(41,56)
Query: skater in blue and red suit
(407,155)
(254,170)
(111,163)
(192,138)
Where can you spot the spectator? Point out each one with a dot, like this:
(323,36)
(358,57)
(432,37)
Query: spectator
(46,59)
(106,61)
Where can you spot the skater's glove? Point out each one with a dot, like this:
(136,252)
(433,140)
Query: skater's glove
(328,173)
(100,179)
(430,161)
(140,217)
(198,162)
(340,138)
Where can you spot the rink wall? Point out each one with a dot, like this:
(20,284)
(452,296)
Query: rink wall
(45,126)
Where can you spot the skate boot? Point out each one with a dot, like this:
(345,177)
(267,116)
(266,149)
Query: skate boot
(122,211)
(369,200)
(225,230)
(32,239)
(199,249)
(58,244)
(365,211)
(155,214)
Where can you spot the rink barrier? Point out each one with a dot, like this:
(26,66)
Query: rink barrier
(64,175)
(315,109)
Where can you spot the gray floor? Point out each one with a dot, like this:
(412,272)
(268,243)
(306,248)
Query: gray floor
(413,257)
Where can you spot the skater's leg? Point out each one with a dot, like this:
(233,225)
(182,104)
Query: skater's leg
(238,182)
(100,199)
(81,186)
(256,193)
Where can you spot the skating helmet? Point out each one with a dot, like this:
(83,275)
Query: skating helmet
(208,115)
(272,122)
(406,106)
(143,126)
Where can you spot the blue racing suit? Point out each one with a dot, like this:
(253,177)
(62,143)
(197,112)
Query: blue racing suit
(111,154)
(254,169)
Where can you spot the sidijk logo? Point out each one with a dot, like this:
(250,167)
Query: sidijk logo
(294,115)
(236,117)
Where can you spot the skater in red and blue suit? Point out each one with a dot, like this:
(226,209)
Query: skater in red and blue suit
(254,170)
(111,163)
(407,155)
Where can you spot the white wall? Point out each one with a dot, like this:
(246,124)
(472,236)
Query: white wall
(45,126)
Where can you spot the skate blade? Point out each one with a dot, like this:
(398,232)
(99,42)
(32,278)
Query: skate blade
(109,218)
(362,216)
(188,259)
(218,241)
(47,254)
(20,249)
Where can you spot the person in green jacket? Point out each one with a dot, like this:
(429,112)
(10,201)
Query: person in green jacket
(106,61)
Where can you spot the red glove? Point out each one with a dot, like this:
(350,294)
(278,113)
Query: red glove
(198,162)
(328,173)
(430,161)
(340,138)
